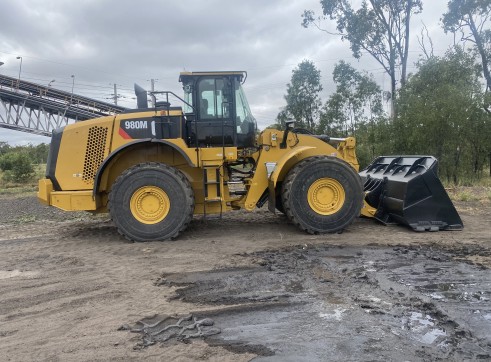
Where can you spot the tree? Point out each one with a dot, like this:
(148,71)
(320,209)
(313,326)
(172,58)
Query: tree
(16,166)
(378,27)
(38,153)
(357,99)
(355,109)
(302,96)
(4,148)
(470,18)
(440,114)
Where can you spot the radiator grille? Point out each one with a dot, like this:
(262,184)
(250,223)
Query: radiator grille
(94,153)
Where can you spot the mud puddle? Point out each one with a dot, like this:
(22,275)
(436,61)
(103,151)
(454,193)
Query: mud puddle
(347,303)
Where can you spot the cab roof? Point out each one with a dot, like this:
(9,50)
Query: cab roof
(241,74)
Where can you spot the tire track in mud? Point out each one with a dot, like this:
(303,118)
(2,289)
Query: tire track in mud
(347,303)
(306,290)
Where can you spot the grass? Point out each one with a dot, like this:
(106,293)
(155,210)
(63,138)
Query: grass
(22,189)
(470,190)
(476,191)
(25,219)
(485,182)
(466,195)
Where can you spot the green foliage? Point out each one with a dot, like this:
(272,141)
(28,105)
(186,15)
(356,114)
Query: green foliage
(466,195)
(440,113)
(442,109)
(16,167)
(379,28)
(302,96)
(4,148)
(276,126)
(355,109)
(373,140)
(471,18)
(17,163)
(357,100)
(39,153)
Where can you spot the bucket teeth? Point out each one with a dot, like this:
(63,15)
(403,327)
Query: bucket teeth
(406,190)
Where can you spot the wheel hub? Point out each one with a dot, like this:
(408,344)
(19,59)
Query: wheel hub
(326,196)
(149,204)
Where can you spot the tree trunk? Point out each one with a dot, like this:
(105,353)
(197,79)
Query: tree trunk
(406,43)
(393,87)
(482,52)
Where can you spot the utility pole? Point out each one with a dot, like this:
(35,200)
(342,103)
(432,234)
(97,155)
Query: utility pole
(152,89)
(115,95)
(73,86)
(47,88)
(20,70)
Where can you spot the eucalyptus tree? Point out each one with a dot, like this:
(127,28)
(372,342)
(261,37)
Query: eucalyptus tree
(471,19)
(302,97)
(440,113)
(354,109)
(379,28)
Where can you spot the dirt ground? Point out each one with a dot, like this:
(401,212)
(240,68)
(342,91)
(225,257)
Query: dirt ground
(72,289)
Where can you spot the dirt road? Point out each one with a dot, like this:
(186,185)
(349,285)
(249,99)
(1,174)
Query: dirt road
(71,289)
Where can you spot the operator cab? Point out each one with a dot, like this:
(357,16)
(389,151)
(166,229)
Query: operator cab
(217,112)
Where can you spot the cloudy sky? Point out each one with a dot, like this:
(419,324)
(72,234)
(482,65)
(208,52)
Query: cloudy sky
(107,42)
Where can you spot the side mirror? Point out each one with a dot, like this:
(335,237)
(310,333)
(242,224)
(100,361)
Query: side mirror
(290,124)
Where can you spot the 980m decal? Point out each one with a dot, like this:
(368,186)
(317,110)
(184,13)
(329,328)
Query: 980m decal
(137,128)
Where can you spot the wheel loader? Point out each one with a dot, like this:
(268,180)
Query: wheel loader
(153,168)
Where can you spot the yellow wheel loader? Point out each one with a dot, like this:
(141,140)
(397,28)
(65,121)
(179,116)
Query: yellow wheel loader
(153,168)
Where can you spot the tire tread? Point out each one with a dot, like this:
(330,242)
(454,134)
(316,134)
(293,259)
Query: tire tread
(189,195)
(286,193)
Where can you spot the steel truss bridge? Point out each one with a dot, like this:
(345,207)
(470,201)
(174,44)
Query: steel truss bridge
(38,109)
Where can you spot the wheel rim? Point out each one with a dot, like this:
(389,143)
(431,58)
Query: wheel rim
(149,204)
(326,196)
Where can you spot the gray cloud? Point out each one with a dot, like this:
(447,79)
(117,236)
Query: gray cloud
(103,42)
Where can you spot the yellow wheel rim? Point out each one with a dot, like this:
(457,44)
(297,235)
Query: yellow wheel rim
(149,204)
(326,196)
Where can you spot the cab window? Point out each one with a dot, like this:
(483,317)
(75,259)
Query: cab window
(245,120)
(213,99)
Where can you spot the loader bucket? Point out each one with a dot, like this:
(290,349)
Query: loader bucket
(406,190)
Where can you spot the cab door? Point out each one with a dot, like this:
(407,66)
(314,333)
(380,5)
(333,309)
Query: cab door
(215,121)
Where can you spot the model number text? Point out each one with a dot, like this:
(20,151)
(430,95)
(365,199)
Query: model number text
(136,124)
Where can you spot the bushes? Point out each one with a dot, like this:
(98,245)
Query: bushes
(21,164)
(441,113)
(16,167)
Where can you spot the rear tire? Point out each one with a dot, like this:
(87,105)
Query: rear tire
(322,195)
(151,201)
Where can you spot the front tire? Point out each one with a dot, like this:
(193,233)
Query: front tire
(151,201)
(322,195)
